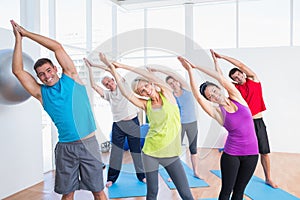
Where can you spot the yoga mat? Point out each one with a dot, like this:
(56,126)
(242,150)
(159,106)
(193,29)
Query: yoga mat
(127,185)
(257,189)
(192,180)
(211,199)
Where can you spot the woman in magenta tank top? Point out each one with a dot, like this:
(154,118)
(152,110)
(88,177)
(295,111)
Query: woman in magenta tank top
(239,159)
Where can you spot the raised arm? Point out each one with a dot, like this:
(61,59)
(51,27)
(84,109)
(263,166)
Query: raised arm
(244,68)
(91,64)
(145,73)
(62,57)
(26,79)
(122,84)
(204,103)
(229,87)
(170,72)
(165,88)
(232,91)
(96,87)
(217,67)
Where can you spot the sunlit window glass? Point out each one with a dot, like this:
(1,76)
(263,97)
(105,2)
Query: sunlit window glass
(9,10)
(215,25)
(264,23)
(71,26)
(296,23)
(129,20)
(171,18)
(101,22)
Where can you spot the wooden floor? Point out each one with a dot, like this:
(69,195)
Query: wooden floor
(285,172)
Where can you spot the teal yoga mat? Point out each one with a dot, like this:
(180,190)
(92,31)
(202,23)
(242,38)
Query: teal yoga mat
(211,199)
(127,185)
(192,180)
(257,189)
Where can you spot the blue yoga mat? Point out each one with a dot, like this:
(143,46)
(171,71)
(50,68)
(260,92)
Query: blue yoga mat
(257,189)
(192,180)
(127,185)
(211,199)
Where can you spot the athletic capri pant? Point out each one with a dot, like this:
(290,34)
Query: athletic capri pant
(175,170)
(191,130)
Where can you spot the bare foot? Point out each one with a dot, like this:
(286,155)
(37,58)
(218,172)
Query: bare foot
(108,184)
(144,180)
(197,175)
(272,184)
(169,180)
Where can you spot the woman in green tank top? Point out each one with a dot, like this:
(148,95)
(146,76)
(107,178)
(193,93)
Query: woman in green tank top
(162,143)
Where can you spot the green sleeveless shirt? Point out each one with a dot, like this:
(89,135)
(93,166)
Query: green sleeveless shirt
(163,137)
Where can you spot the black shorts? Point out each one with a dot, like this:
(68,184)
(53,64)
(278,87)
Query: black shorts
(262,136)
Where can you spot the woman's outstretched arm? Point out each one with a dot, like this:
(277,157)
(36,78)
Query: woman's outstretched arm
(204,103)
(122,84)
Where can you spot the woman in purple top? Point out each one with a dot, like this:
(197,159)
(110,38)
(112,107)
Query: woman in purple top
(240,155)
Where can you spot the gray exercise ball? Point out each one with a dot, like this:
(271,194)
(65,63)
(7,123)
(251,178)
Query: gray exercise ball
(11,90)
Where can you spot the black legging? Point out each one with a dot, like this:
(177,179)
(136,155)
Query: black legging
(129,129)
(236,173)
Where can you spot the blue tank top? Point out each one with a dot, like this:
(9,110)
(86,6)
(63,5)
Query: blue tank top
(186,107)
(68,105)
(241,139)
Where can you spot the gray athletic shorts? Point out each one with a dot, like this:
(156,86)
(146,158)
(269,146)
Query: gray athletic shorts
(78,166)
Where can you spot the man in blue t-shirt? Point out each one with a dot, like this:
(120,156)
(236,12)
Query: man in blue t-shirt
(77,155)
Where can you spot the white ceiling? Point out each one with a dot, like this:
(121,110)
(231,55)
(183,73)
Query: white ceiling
(140,4)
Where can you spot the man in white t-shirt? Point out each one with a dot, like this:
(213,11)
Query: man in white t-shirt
(125,125)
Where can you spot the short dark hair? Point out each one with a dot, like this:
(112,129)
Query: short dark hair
(203,87)
(233,70)
(169,77)
(41,62)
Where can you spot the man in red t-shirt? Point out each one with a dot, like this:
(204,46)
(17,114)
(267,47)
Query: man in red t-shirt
(251,90)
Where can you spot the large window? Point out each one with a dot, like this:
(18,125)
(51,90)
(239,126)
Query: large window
(101,22)
(129,20)
(9,10)
(71,22)
(264,23)
(296,24)
(215,25)
(171,18)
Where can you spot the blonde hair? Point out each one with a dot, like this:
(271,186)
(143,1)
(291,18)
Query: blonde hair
(135,83)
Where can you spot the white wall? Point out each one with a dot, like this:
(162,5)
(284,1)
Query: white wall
(278,70)
(21,136)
